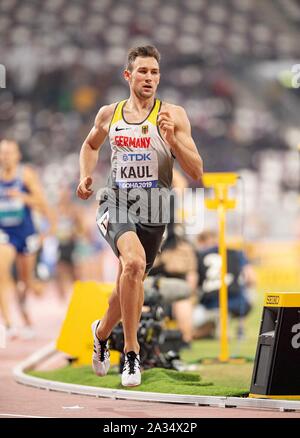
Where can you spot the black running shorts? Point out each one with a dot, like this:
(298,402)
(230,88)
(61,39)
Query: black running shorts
(150,236)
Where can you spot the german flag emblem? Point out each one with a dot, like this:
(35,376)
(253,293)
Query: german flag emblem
(145,129)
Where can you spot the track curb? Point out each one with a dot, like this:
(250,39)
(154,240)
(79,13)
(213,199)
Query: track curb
(19,373)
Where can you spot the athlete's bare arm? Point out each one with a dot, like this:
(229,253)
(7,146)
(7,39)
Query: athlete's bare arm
(33,198)
(90,150)
(37,199)
(176,130)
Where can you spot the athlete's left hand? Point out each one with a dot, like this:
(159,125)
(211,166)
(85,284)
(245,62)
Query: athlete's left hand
(167,127)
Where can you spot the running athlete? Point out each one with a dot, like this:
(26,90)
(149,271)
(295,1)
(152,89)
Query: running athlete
(69,227)
(19,193)
(145,135)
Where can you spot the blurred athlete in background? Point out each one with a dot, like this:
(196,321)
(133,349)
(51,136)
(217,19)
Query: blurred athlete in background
(20,193)
(70,227)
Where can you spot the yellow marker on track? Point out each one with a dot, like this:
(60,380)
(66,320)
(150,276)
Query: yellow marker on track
(88,303)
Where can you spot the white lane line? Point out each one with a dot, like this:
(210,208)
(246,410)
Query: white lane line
(22,415)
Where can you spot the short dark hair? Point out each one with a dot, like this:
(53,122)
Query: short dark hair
(142,51)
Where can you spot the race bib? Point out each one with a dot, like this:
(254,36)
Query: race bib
(137,170)
(102,223)
(11,212)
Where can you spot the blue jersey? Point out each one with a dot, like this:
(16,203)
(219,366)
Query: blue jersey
(16,224)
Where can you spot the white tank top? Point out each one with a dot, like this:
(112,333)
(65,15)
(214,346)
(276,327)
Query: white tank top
(140,157)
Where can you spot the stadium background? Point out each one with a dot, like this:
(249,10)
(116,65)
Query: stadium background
(228,63)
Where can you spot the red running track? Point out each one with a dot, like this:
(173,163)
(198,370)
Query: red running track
(21,401)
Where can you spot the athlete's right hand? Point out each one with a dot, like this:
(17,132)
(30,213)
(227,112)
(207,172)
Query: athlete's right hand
(84,190)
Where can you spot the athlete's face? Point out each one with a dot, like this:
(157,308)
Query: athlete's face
(9,154)
(144,77)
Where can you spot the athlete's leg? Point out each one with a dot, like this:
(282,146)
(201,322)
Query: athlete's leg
(113,313)
(25,264)
(133,259)
(150,238)
(141,298)
(7,257)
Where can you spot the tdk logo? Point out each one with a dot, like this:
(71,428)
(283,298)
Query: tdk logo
(137,157)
